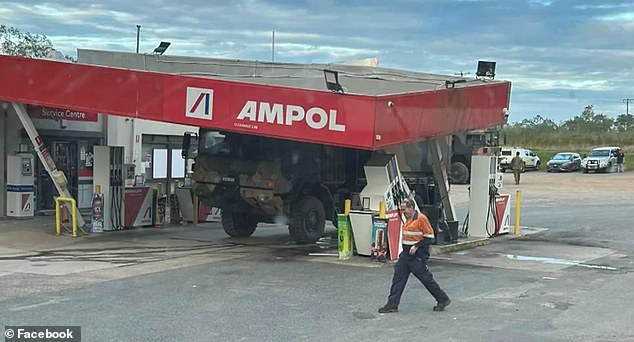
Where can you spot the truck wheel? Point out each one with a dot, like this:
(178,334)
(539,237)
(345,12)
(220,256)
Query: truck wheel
(537,166)
(308,220)
(459,173)
(238,225)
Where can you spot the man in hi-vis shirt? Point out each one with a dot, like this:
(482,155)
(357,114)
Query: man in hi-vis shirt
(417,237)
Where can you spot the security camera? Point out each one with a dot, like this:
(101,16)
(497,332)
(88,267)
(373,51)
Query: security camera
(390,104)
(505,111)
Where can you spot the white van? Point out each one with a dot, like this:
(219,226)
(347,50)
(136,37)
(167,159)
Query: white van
(531,160)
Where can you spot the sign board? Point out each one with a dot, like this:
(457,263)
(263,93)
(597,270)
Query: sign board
(38,112)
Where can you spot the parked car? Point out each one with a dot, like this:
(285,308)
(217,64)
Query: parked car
(564,161)
(601,159)
(531,160)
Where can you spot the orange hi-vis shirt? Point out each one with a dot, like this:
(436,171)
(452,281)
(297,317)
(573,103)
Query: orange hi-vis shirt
(416,229)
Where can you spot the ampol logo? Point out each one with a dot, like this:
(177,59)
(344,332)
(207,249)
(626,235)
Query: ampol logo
(27,205)
(200,103)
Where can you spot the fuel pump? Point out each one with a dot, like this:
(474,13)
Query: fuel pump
(482,196)
(20,186)
(109,175)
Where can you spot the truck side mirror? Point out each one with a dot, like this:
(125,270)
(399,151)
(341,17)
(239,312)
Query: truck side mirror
(187,141)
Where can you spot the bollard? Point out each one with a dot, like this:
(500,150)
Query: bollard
(58,219)
(347,206)
(518,200)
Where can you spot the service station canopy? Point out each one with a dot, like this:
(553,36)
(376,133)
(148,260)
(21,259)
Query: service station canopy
(378,107)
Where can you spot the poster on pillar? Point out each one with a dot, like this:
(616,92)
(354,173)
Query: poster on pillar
(379,239)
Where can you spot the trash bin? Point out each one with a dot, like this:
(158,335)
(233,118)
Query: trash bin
(442,233)
(452,229)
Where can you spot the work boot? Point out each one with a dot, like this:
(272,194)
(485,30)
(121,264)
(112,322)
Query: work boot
(387,308)
(442,306)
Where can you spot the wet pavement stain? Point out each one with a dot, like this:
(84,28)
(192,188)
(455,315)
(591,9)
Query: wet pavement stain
(558,261)
(363,315)
(558,305)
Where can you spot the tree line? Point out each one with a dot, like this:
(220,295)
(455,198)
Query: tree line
(586,129)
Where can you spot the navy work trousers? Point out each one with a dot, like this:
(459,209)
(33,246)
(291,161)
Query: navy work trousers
(416,264)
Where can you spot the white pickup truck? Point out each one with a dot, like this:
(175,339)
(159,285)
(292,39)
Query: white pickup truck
(531,160)
(601,159)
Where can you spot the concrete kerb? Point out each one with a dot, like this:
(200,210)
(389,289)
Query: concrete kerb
(477,242)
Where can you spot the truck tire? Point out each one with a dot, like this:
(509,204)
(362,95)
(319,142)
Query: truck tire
(238,225)
(308,220)
(459,173)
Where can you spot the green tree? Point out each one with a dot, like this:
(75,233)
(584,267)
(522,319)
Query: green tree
(538,123)
(17,43)
(624,123)
(601,123)
(589,121)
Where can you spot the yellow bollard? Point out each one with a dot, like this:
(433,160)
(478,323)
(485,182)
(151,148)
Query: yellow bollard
(58,219)
(73,214)
(347,206)
(382,210)
(518,200)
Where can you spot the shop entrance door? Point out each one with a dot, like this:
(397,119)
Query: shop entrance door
(64,155)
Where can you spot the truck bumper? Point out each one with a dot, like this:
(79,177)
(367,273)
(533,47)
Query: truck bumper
(230,197)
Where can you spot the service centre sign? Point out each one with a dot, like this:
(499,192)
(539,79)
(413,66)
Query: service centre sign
(39,112)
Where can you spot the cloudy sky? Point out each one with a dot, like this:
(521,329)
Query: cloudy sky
(560,55)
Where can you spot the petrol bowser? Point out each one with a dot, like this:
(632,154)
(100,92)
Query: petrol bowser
(489,213)
(20,185)
(109,176)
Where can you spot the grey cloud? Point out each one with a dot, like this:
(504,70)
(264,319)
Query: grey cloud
(550,49)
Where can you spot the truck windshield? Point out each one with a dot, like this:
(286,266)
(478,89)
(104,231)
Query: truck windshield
(213,143)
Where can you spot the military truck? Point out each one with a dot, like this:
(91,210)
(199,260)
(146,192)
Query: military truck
(259,179)
(464,146)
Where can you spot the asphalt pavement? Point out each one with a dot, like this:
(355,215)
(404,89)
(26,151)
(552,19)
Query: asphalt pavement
(572,282)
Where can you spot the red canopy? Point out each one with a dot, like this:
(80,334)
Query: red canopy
(362,121)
